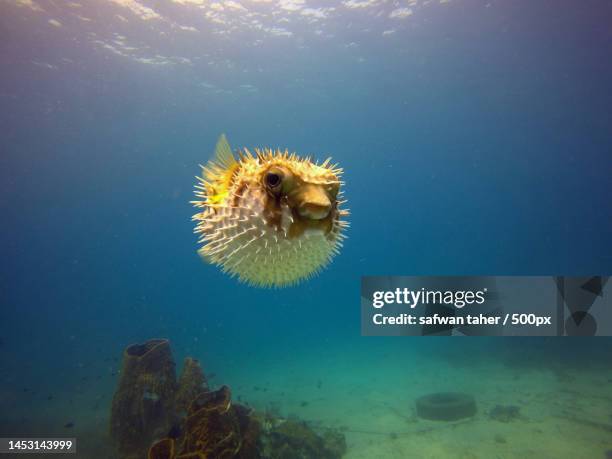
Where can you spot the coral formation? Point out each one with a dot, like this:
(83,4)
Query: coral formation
(191,383)
(216,428)
(213,428)
(185,420)
(143,405)
(251,432)
(163,449)
(292,439)
(335,443)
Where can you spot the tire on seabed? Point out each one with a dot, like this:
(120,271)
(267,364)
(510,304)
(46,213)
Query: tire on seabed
(446,406)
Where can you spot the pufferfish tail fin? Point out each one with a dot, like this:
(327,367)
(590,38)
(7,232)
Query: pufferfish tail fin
(223,153)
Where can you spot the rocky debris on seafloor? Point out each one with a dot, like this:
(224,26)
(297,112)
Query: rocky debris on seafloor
(505,413)
(294,439)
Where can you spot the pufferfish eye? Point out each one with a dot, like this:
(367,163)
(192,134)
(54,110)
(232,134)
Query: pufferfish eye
(273,179)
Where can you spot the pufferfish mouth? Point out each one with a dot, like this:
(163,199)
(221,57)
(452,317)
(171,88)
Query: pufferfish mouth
(314,211)
(314,203)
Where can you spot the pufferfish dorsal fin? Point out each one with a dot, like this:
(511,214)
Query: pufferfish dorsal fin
(223,153)
(219,172)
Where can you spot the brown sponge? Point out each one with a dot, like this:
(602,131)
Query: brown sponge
(143,405)
(191,383)
(214,428)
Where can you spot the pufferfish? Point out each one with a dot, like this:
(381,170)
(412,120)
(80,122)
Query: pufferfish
(271,218)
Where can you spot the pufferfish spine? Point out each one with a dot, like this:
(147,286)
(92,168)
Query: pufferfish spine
(270,218)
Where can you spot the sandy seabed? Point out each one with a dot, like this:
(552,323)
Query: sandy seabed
(564,412)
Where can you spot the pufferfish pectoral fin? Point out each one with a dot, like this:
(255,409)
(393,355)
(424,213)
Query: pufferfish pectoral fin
(223,153)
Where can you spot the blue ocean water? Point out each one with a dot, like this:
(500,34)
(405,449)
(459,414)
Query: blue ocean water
(476,138)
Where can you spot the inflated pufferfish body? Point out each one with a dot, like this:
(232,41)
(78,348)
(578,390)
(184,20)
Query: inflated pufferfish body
(270,218)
